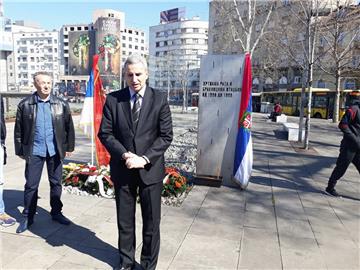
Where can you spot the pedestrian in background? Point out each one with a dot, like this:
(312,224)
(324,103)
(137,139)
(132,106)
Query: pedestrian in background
(5,219)
(44,132)
(136,129)
(276,112)
(349,147)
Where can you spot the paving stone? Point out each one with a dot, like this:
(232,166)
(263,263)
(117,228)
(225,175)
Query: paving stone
(91,257)
(302,259)
(60,265)
(213,223)
(260,220)
(201,252)
(34,259)
(295,228)
(259,250)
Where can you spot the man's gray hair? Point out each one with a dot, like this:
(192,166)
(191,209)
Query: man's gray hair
(42,73)
(135,59)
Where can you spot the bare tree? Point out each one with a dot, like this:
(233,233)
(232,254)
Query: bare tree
(236,22)
(297,40)
(339,32)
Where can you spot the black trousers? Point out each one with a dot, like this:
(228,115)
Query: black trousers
(346,156)
(150,202)
(33,170)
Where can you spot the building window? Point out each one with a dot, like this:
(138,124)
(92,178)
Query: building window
(130,46)
(123,38)
(157,44)
(136,47)
(196,30)
(142,48)
(142,34)
(157,54)
(130,38)
(130,31)
(124,45)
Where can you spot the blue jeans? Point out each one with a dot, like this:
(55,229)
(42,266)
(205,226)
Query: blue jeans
(33,170)
(2,205)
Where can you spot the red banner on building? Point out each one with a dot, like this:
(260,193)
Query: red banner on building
(102,155)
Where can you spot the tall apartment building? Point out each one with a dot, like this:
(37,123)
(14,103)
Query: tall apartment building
(274,69)
(175,48)
(35,51)
(5,50)
(106,36)
(133,41)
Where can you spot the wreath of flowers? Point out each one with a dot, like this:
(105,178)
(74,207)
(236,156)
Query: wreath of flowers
(96,180)
(174,184)
(92,179)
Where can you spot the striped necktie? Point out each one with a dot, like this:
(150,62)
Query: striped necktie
(136,110)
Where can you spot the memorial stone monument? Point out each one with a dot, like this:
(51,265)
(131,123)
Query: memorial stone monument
(219,104)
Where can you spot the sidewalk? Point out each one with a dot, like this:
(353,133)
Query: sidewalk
(282,221)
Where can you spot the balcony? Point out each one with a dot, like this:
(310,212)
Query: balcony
(269,87)
(283,86)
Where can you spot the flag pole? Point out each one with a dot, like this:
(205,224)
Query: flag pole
(92,136)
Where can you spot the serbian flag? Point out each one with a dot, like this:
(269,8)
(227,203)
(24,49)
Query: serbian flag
(102,155)
(244,153)
(86,118)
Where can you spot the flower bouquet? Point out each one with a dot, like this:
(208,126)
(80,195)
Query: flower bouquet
(96,180)
(92,179)
(174,184)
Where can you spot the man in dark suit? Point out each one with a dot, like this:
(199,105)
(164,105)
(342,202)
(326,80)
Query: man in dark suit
(136,129)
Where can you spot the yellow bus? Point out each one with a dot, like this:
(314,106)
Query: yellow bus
(322,101)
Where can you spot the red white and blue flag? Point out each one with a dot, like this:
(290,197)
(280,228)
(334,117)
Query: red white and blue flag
(91,114)
(87,115)
(243,160)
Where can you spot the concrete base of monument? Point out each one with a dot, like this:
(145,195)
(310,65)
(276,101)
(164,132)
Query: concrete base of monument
(207,180)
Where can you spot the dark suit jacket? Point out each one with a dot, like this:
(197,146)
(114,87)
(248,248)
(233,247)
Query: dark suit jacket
(152,137)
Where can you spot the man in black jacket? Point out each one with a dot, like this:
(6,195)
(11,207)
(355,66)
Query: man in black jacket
(44,132)
(349,147)
(136,129)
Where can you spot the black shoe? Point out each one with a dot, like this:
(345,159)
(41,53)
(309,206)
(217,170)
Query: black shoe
(24,225)
(331,192)
(61,219)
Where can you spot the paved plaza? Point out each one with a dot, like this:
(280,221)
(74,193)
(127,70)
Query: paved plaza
(282,221)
